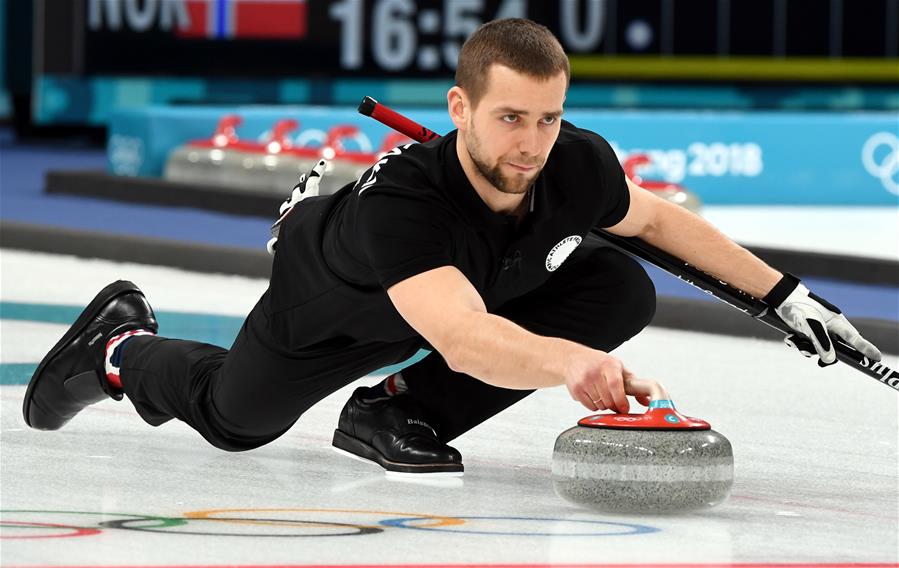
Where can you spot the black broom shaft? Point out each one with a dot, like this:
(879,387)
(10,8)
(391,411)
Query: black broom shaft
(669,263)
(742,301)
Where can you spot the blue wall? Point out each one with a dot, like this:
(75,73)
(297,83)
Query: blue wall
(725,158)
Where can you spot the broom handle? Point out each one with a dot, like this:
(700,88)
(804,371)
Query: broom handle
(403,125)
(669,263)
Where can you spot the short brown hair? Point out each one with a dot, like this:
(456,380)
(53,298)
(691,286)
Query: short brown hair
(521,45)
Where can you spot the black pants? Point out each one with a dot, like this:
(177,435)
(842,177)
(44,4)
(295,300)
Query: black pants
(247,396)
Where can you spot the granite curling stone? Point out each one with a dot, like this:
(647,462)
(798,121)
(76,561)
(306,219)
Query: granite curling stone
(657,462)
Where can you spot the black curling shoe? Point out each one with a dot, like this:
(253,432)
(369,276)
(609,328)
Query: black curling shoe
(392,433)
(72,375)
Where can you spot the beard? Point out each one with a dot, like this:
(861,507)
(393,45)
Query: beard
(515,184)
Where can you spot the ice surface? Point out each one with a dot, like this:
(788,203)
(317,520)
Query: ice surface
(815,450)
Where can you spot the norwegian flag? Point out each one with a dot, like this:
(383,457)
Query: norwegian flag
(245,19)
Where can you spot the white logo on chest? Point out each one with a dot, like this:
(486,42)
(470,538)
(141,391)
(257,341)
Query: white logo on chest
(561,251)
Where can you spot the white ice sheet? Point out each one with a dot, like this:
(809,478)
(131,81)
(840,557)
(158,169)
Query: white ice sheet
(816,469)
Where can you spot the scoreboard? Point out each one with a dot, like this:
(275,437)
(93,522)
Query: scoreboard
(687,40)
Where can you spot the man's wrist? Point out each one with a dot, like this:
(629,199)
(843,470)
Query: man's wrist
(560,356)
(784,287)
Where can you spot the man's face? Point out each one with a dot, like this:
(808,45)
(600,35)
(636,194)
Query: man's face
(511,131)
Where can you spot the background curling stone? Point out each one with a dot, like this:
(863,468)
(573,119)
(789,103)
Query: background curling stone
(656,462)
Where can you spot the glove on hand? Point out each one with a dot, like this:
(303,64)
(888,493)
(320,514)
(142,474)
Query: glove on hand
(815,319)
(305,187)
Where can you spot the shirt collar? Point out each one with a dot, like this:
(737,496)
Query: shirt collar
(466,196)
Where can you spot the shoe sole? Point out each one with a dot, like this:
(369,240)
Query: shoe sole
(352,447)
(105,296)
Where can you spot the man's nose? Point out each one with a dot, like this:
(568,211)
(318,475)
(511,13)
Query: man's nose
(529,143)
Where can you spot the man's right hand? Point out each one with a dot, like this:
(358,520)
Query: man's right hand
(598,381)
(447,311)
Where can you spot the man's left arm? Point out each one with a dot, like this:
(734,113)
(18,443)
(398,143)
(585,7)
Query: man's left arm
(691,238)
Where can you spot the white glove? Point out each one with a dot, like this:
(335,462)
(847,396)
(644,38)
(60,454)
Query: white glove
(305,187)
(815,319)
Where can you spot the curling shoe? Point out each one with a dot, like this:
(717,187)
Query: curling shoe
(72,375)
(390,432)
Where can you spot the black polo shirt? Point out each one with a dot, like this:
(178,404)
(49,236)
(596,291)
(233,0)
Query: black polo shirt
(415,210)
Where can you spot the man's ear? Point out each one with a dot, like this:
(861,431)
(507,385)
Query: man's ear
(458,107)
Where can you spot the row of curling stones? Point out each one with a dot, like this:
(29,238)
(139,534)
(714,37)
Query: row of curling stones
(656,462)
(277,160)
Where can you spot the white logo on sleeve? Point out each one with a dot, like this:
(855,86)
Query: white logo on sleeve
(372,177)
(561,251)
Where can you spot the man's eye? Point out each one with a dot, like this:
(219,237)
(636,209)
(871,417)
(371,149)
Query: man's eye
(510,118)
(549,120)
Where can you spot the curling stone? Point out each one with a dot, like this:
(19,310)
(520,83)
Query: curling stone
(667,190)
(256,165)
(657,462)
(346,165)
(204,162)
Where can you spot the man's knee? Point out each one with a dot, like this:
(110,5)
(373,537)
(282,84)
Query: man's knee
(638,291)
(599,298)
(628,301)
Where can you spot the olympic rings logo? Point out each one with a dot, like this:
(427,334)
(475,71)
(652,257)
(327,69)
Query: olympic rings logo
(296,522)
(883,166)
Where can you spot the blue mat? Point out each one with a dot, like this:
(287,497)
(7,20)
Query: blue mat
(22,171)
